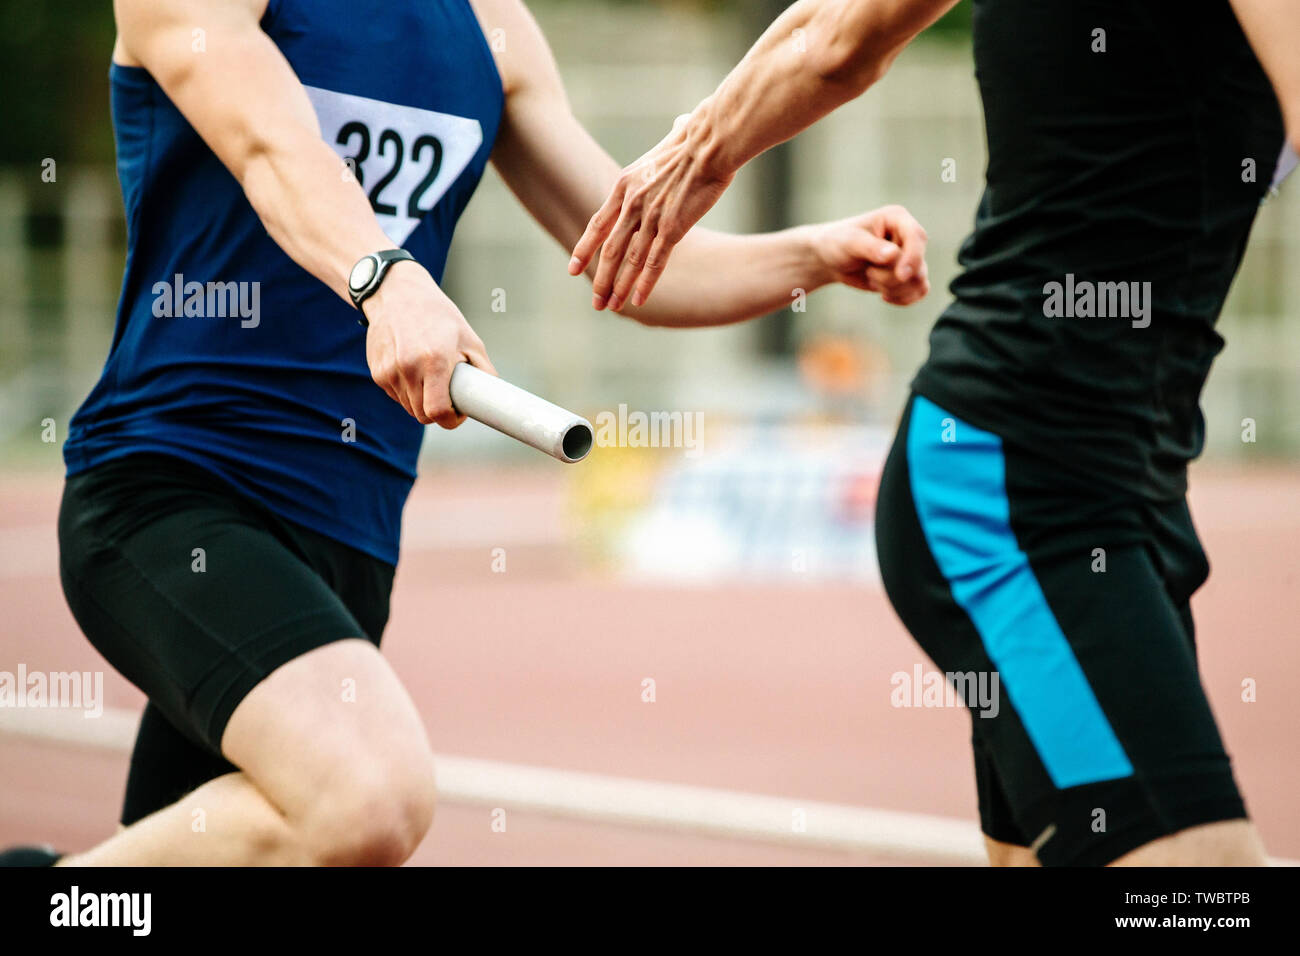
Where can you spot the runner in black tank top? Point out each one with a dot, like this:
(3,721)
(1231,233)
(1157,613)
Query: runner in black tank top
(1031,520)
(1126,145)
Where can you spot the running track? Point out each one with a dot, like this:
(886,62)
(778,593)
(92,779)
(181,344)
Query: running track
(781,691)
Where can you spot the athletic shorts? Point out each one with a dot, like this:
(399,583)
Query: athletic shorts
(195,594)
(1101,739)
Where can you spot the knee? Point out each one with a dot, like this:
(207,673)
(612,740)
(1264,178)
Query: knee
(1008,854)
(376,817)
(1224,843)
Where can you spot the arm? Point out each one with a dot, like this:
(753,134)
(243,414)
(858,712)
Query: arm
(815,57)
(1273,28)
(243,99)
(561,175)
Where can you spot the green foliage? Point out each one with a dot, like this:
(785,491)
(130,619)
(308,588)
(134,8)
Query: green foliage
(953,25)
(57,57)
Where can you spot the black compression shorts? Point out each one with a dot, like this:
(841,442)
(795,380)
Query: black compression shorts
(195,594)
(1102,739)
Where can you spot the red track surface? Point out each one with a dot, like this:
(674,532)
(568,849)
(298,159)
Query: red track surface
(775,690)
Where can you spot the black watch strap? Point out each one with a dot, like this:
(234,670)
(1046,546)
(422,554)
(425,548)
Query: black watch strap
(368,274)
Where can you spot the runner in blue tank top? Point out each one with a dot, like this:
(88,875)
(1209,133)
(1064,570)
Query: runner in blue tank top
(292,172)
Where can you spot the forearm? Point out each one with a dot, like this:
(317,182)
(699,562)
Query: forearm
(816,56)
(311,206)
(719,278)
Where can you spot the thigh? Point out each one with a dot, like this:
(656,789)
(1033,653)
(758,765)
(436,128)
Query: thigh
(321,723)
(1133,649)
(1104,739)
(187,591)
(923,599)
(166,763)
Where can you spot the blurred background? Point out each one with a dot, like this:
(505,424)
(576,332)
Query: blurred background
(694,630)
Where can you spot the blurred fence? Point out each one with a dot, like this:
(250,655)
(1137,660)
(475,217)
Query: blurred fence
(61,250)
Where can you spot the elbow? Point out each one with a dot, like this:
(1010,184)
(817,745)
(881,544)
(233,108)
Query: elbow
(651,319)
(848,54)
(267,155)
(661,318)
(847,67)
(252,161)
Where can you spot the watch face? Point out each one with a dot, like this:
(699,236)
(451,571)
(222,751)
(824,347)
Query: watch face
(362,273)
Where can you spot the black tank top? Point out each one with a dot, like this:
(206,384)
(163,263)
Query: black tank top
(1130,145)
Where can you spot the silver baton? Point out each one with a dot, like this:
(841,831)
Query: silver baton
(519,414)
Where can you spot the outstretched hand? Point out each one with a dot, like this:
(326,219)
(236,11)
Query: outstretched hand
(652,206)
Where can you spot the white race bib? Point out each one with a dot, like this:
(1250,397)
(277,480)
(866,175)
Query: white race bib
(404,158)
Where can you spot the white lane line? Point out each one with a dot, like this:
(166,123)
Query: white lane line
(708,811)
(606,799)
(621,801)
(112,729)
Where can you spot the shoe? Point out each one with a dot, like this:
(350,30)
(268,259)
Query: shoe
(29,856)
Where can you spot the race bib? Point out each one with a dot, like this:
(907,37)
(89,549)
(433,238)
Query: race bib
(404,158)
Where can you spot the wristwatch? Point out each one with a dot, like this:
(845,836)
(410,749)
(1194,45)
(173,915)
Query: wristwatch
(368,274)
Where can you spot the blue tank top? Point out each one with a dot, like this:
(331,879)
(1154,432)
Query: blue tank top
(228,354)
